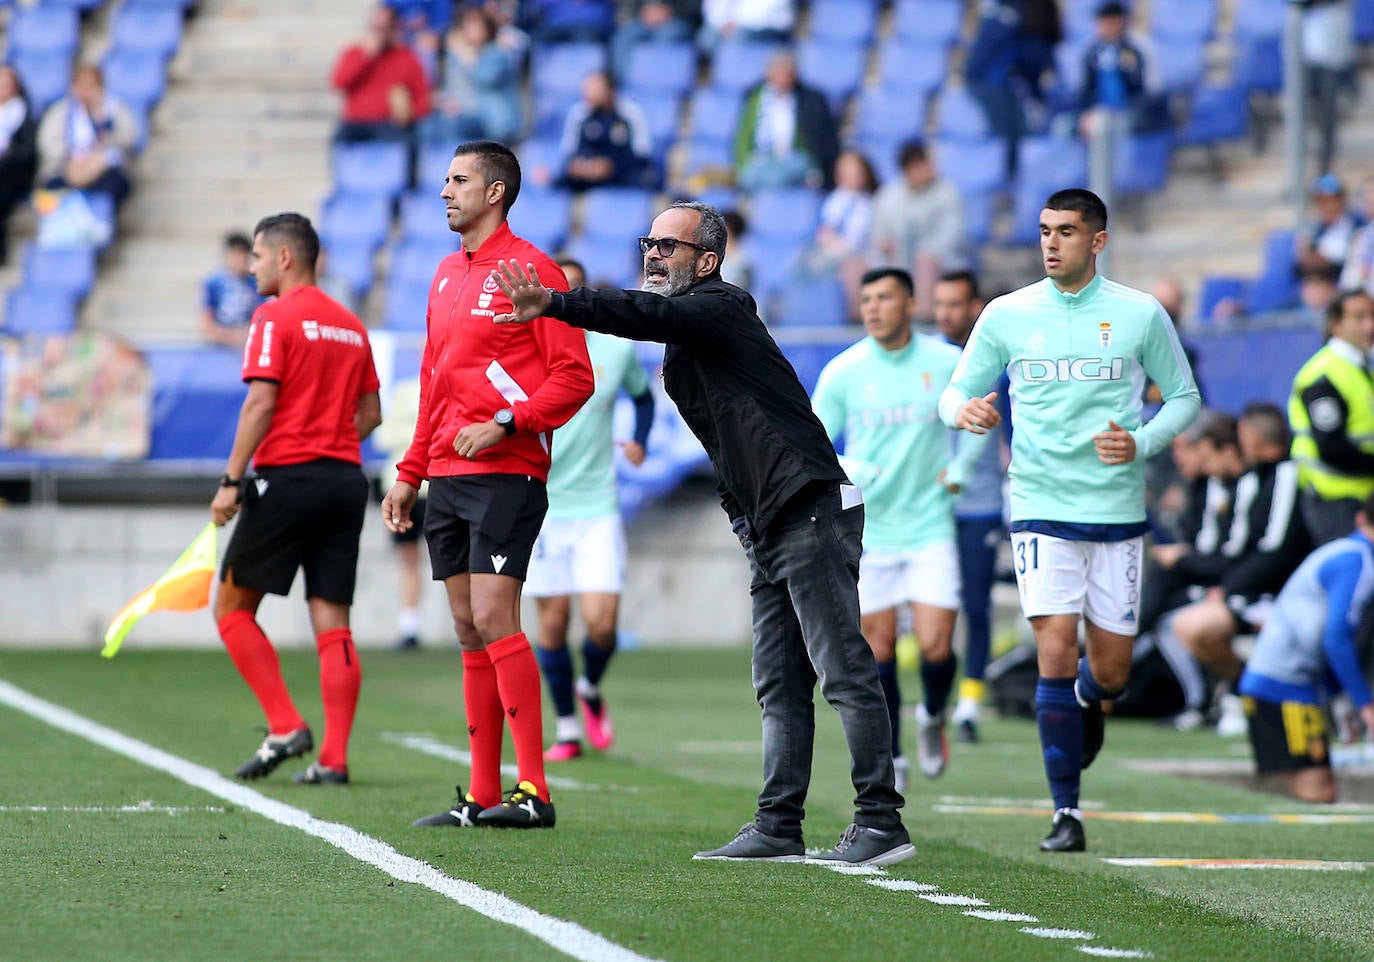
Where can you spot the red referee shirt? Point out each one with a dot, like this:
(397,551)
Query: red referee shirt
(473,368)
(319,355)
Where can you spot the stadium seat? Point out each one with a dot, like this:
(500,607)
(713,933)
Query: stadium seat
(46,76)
(617,265)
(551,110)
(1141,163)
(372,168)
(1214,290)
(665,68)
(931,21)
(851,21)
(413,261)
(786,213)
(30,309)
(617,213)
(423,217)
(560,69)
(961,116)
(146,28)
(810,302)
(1078,17)
(974,166)
(889,116)
(538,154)
(543,217)
(663,110)
(915,67)
(1046,164)
(714,115)
(721,198)
(773,263)
(431,165)
(48,30)
(711,159)
(1259,63)
(1264,18)
(835,69)
(363,219)
(67,269)
(137,77)
(1364,21)
(1194,19)
(1180,61)
(406,305)
(980,208)
(350,262)
(1215,114)
(738,65)
(82,5)
(1276,287)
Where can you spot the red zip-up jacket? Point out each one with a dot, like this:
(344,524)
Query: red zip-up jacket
(473,367)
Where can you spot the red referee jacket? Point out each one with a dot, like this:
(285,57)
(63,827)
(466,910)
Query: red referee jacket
(473,368)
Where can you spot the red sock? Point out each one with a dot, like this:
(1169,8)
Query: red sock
(341,676)
(517,677)
(256,660)
(482,702)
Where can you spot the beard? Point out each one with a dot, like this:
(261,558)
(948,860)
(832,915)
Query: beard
(660,278)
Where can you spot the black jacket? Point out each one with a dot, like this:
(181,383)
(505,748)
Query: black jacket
(730,382)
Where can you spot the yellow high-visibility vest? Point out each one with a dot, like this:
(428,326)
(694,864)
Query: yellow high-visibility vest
(1357,390)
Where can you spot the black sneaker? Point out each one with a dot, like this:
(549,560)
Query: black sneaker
(461,814)
(968,731)
(862,845)
(1066,834)
(275,750)
(750,844)
(521,808)
(1094,731)
(406,643)
(317,774)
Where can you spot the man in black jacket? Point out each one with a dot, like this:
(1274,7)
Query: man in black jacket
(789,502)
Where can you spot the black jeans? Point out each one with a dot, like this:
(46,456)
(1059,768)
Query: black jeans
(804,582)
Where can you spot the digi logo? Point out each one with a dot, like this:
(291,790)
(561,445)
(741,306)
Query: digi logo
(1037,370)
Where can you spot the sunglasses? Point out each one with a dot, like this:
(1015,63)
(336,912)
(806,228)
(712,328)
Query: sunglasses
(666,245)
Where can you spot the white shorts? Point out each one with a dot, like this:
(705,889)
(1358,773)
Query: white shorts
(1099,580)
(926,576)
(574,556)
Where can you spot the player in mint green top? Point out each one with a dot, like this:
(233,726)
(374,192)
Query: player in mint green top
(882,395)
(581,547)
(1077,348)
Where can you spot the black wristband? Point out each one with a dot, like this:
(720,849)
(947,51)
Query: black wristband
(227,482)
(557,304)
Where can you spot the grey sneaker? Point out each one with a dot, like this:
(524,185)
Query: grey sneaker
(932,748)
(901,771)
(861,845)
(750,844)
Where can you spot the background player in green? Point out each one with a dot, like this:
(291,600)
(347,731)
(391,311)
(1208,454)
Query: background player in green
(1077,348)
(581,547)
(882,395)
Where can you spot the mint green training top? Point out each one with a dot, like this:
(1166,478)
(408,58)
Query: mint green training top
(1075,361)
(885,403)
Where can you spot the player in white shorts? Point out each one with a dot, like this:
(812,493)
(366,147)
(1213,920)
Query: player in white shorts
(581,547)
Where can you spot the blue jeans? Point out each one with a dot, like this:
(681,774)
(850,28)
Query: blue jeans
(804,582)
(978,539)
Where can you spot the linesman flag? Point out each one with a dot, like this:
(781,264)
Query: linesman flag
(185,587)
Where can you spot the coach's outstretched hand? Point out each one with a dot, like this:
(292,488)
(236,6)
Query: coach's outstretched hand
(529,298)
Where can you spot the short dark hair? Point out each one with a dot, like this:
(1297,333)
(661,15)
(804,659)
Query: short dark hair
(735,222)
(1084,202)
(963,277)
(912,152)
(294,231)
(495,162)
(1271,422)
(564,262)
(903,278)
(1367,506)
(1216,427)
(1336,310)
(237,241)
(710,232)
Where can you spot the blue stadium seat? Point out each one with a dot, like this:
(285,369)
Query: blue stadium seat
(738,65)
(1046,164)
(974,166)
(786,213)
(773,264)
(423,218)
(363,219)
(372,168)
(1195,19)
(1214,290)
(413,261)
(932,21)
(889,117)
(663,110)
(431,166)
(852,21)
(617,265)
(1180,61)
(146,28)
(44,29)
(30,309)
(714,115)
(1215,114)
(708,158)
(137,77)
(1264,18)
(721,198)
(67,269)
(406,305)
(561,68)
(1141,163)
(835,69)
(74,4)
(539,153)
(350,262)
(543,217)
(551,113)
(1364,21)
(1078,17)
(810,302)
(1068,76)
(619,214)
(46,76)
(980,209)
(912,66)
(1259,63)
(961,116)
(666,68)
(1276,287)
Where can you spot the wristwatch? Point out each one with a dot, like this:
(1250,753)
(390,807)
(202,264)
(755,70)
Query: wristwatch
(506,418)
(227,482)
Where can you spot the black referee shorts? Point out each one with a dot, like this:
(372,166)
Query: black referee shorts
(300,516)
(483,523)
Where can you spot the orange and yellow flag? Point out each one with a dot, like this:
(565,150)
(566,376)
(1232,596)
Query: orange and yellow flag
(185,587)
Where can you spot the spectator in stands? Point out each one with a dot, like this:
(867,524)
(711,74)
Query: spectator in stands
(478,86)
(738,266)
(1011,52)
(18,150)
(230,296)
(749,21)
(383,82)
(918,224)
(1325,239)
(840,246)
(786,136)
(1358,272)
(1331,411)
(1119,74)
(86,138)
(653,21)
(1328,56)
(569,21)
(1317,290)
(606,141)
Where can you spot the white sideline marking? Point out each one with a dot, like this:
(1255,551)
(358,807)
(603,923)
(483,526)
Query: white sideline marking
(844,868)
(427,744)
(1040,933)
(567,937)
(997,915)
(115,809)
(903,885)
(956,900)
(1102,952)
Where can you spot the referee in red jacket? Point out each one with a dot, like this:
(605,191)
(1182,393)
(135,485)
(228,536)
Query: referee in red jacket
(490,397)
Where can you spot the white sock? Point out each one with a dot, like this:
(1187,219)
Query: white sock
(586,689)
(568,729)
(408,622)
